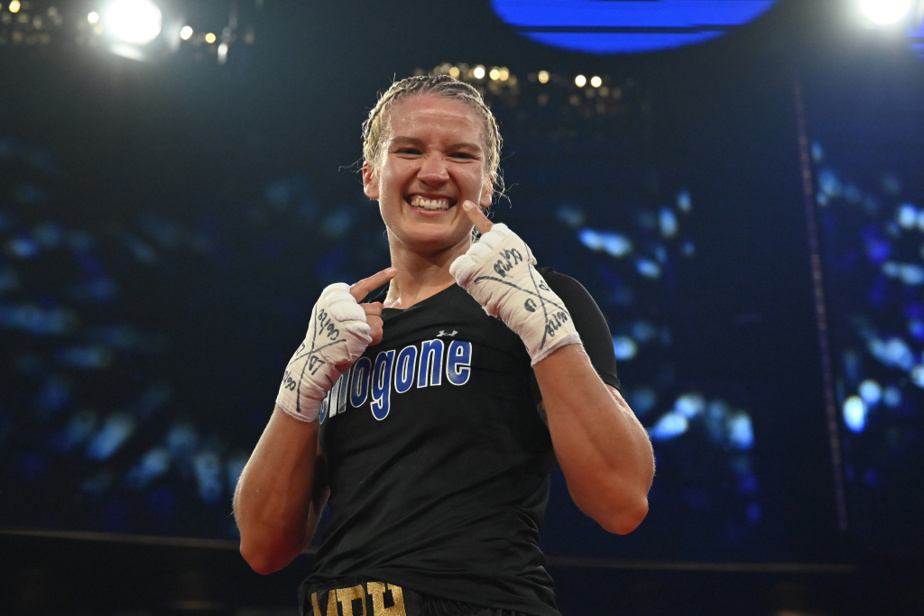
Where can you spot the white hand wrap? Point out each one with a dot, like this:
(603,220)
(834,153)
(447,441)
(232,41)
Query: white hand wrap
(337,335)
(498,272)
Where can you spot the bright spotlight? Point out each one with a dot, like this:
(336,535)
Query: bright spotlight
(885,12)
(137,22)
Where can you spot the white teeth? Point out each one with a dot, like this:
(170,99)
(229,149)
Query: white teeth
(429,204)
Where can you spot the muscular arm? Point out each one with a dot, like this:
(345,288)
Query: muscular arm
(283,487)
(601,447)
(603,450)
(280,494)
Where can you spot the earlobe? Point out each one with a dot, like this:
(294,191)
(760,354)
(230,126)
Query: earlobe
(370,184)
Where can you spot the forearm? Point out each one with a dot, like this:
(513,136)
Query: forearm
(273,504)
(601,447)
(603,450)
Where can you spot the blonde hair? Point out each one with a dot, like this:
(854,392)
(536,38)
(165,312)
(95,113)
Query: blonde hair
(437,85)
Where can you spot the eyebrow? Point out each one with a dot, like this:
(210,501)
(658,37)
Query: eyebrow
(457,145)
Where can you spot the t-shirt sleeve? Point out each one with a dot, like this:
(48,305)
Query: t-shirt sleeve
(589,322)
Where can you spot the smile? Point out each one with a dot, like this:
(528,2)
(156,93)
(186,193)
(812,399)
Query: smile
(432,205)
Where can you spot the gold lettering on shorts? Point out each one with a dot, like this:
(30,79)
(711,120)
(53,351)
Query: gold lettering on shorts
(377,591)
(346,597)
(331,605)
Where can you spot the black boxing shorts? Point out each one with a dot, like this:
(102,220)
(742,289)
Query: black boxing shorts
(374,598)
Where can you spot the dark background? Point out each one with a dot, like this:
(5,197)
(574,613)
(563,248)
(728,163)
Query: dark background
(166,226)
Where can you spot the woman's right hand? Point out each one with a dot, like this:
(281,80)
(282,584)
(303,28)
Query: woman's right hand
(373,310)
(339,331)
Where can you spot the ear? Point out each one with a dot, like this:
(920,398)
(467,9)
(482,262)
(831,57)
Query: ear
(370,181)
(487,193)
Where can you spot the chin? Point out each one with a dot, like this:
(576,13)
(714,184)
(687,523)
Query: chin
(434,240)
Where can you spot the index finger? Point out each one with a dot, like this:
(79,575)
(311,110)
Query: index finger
(366,286)
(476,215)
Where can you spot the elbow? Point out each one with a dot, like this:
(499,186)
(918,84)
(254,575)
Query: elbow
(625,519)
(263,561)
(619,517)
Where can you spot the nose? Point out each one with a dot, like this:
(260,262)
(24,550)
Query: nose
(433,169)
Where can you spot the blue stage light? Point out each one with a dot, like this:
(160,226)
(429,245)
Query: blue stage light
(626,26)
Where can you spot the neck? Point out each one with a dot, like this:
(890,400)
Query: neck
(419,275)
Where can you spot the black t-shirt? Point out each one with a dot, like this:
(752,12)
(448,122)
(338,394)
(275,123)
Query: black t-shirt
(438,460)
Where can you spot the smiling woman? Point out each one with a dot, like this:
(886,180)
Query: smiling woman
(433,157)
(375,124)
(427,426)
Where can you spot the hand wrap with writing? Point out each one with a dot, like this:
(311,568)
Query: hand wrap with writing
(337,335)
(498,272)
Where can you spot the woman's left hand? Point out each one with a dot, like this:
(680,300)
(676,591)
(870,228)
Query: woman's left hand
(498,272)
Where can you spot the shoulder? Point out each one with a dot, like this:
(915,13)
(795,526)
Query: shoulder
(584,309)
(589,321)
(565,286)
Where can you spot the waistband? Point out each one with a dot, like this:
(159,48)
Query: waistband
(363,597)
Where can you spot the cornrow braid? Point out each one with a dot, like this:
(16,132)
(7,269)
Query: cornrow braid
(438,85)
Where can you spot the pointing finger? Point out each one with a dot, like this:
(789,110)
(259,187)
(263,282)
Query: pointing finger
(367,285)
(476,215)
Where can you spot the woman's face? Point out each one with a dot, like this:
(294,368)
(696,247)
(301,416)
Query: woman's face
(432,158)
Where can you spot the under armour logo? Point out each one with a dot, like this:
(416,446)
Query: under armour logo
(445,333)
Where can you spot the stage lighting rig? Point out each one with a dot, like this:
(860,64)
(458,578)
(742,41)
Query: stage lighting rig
(132,28)
(145,30)
(134,22)
(155,29)
(568,96)
(894,18)
(887,12)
